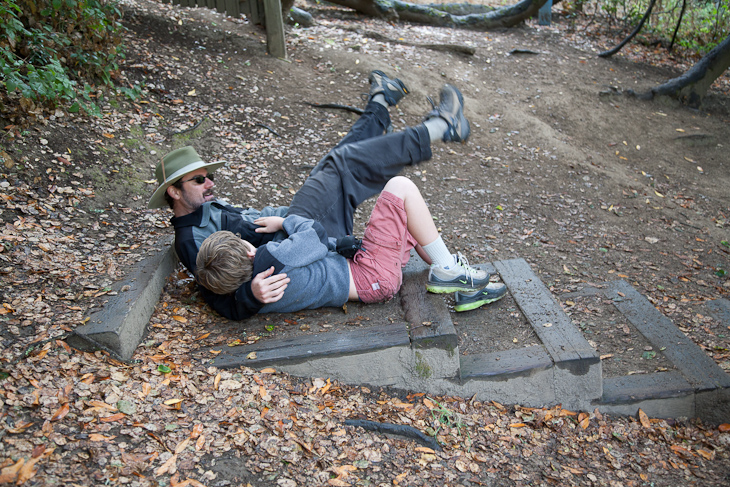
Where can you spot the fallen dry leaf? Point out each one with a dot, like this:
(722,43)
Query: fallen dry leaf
(61,412)
(168,466)
(100,437)
(10,474)
(644,419)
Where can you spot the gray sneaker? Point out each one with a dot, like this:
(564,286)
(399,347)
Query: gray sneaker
(461,277)
(489,294)
(451,109)
(392,89)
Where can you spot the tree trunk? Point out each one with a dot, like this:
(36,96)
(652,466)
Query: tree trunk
(692,86)
(448,15)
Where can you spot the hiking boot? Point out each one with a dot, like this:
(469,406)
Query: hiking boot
(460,277)
(451,109)
(489,294)
(392,89)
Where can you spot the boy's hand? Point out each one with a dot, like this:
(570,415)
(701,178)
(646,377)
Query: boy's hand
(267,288)
(269,224)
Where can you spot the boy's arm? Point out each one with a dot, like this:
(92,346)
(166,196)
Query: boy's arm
(247,231)
(246,302)
(304,246)
(307,243)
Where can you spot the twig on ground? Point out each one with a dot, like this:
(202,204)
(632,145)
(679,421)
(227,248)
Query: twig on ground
(190,129)
(267,128)
(349,108)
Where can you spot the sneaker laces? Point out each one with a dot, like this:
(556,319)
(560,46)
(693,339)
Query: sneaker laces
(462,261)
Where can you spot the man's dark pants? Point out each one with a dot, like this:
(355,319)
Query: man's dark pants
(358,168)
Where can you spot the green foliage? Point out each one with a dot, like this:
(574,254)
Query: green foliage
(705,23)
(443,416)
(49,48)
(134,93)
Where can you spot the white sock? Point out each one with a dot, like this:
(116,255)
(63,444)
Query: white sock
(380,98)
(437,127)
(439,254)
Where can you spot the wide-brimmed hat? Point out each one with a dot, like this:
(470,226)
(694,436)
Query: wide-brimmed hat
(174,166)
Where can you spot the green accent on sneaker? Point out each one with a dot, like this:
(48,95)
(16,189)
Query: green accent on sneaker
(460,277)
(473,300)
(440,289)
(475,304)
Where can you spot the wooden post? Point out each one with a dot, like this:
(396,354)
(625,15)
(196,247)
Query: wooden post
(232,9)
(544,15)
(275,29)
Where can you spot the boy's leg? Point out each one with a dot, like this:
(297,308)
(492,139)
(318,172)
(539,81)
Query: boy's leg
(419,220)
(449,273)
(377,266)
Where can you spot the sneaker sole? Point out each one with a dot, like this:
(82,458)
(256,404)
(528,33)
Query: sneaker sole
(439,289)
(475,304)
(462,121)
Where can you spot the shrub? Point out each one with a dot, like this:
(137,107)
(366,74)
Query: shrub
(705,23)
(52,51)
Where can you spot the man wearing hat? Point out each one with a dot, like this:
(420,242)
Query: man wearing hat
(356,169)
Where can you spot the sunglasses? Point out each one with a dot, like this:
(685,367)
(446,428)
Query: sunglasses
(199,179)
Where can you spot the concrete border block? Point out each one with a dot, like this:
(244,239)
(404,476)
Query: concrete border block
(379,355)
(661,395)
(298,350)
(521,362)
(524,376)
(694,364)
(428,364)
(383,368)
(531,388)
(121,323)
(578,383)
(713,406)
(578,370)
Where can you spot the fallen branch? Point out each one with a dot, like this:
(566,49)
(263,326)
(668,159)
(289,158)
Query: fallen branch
(190,129)
(395,429)
(267,128)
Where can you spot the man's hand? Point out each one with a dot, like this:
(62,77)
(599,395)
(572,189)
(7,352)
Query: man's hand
(267,288)
(269,224)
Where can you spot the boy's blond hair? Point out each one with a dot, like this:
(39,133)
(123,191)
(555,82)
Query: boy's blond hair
(223,263)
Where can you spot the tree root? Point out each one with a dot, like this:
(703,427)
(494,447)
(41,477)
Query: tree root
(395,429)
(470,51)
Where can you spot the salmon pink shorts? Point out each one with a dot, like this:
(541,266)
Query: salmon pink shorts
(377,267)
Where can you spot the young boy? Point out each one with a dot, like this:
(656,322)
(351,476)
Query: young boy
(320,277)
